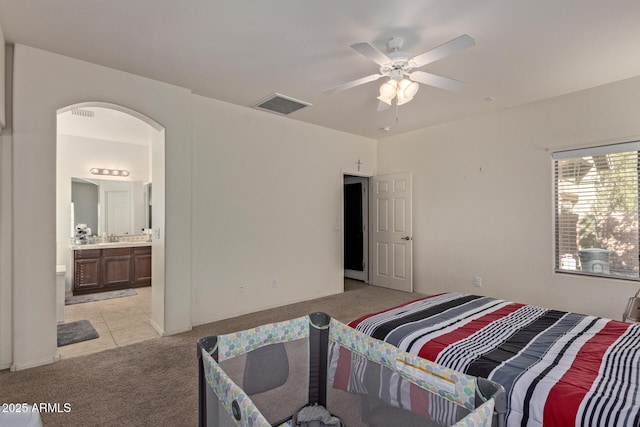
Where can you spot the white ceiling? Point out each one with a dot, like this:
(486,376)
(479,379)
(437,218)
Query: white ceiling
(241,51)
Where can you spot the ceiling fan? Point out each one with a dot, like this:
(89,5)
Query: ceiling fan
(398,64)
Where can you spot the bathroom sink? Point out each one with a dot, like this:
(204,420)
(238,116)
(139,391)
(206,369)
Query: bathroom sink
(110,245)
(122,243)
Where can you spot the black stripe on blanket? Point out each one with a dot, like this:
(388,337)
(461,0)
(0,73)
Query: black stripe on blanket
(382,330)
(486,363)
(534,383)
(623,358)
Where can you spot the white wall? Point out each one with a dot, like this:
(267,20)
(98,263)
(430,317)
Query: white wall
(266,199)
(483,197)
(267,195)
(43,83)
(6,257)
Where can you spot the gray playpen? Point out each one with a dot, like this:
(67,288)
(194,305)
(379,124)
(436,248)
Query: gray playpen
(263,376)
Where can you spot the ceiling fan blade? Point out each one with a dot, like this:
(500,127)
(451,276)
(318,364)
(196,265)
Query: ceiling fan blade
(382,106)
(444,50)
(354,83)
(436,81)
(371,52)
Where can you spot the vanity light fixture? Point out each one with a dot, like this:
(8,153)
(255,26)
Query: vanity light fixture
(110,172)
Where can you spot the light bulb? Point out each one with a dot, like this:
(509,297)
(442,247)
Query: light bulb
(411,89)
(403,99)
(406,90)
(388,89)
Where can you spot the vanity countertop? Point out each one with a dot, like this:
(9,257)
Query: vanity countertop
(107,245)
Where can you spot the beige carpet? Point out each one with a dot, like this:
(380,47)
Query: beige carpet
(155,382)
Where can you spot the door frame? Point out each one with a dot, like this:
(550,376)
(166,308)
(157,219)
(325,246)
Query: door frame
(340,228)
(157,158)
(355,274)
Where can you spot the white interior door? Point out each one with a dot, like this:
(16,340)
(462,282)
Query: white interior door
(391,232)
(117,212)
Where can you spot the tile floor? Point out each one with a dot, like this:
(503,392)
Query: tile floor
(119,321)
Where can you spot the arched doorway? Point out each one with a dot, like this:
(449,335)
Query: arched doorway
(105,135)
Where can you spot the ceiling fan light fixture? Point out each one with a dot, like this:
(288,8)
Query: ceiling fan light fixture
(386,100)
(403,99)
(408,88)
(388,89)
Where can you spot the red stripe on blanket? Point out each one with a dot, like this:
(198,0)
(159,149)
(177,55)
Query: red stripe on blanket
(432,348)
(564,399)
(343,369)
(419,400)
(355,323)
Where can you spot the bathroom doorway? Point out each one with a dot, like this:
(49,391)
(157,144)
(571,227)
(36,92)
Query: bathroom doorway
(124,150)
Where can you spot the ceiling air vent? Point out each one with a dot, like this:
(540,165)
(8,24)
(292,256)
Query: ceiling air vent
(83,113)
(281,104)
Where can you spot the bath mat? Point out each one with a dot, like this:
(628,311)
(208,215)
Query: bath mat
(73,332)
(79,299)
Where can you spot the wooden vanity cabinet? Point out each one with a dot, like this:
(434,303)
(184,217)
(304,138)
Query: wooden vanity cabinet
(87,275)
(142,266)
(116,267)
(108,269)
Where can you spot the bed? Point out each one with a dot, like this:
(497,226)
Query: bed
(558,368)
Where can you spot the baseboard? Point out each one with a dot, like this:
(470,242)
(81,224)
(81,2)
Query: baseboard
(5,366)
(158,329)
(199,322)
(35,363)
(178,331)
(164,333)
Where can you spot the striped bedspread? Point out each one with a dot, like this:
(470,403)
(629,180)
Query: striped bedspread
(557,368)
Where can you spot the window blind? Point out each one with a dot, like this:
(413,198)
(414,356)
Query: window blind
(596,211)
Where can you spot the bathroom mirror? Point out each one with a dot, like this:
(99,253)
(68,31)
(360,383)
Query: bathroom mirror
(110,206)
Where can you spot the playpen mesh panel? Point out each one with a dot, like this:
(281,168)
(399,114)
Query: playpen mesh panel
(276,377)
(229,399)
(269,364)
(371,383)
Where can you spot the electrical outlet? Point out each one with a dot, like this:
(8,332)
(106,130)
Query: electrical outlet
(477,282)
(241,288)
(274,283)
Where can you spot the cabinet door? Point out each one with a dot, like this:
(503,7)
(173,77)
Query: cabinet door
(87,274)
(116,267)
(142,266)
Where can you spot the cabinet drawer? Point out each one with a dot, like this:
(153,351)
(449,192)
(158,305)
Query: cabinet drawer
(87,253)
(142,250)
(116,252)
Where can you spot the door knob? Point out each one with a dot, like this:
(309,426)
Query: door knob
(407,238)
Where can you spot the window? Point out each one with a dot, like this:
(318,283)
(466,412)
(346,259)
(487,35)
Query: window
(596,211)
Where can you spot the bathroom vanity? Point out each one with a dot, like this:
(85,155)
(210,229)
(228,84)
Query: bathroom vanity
(111,266)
